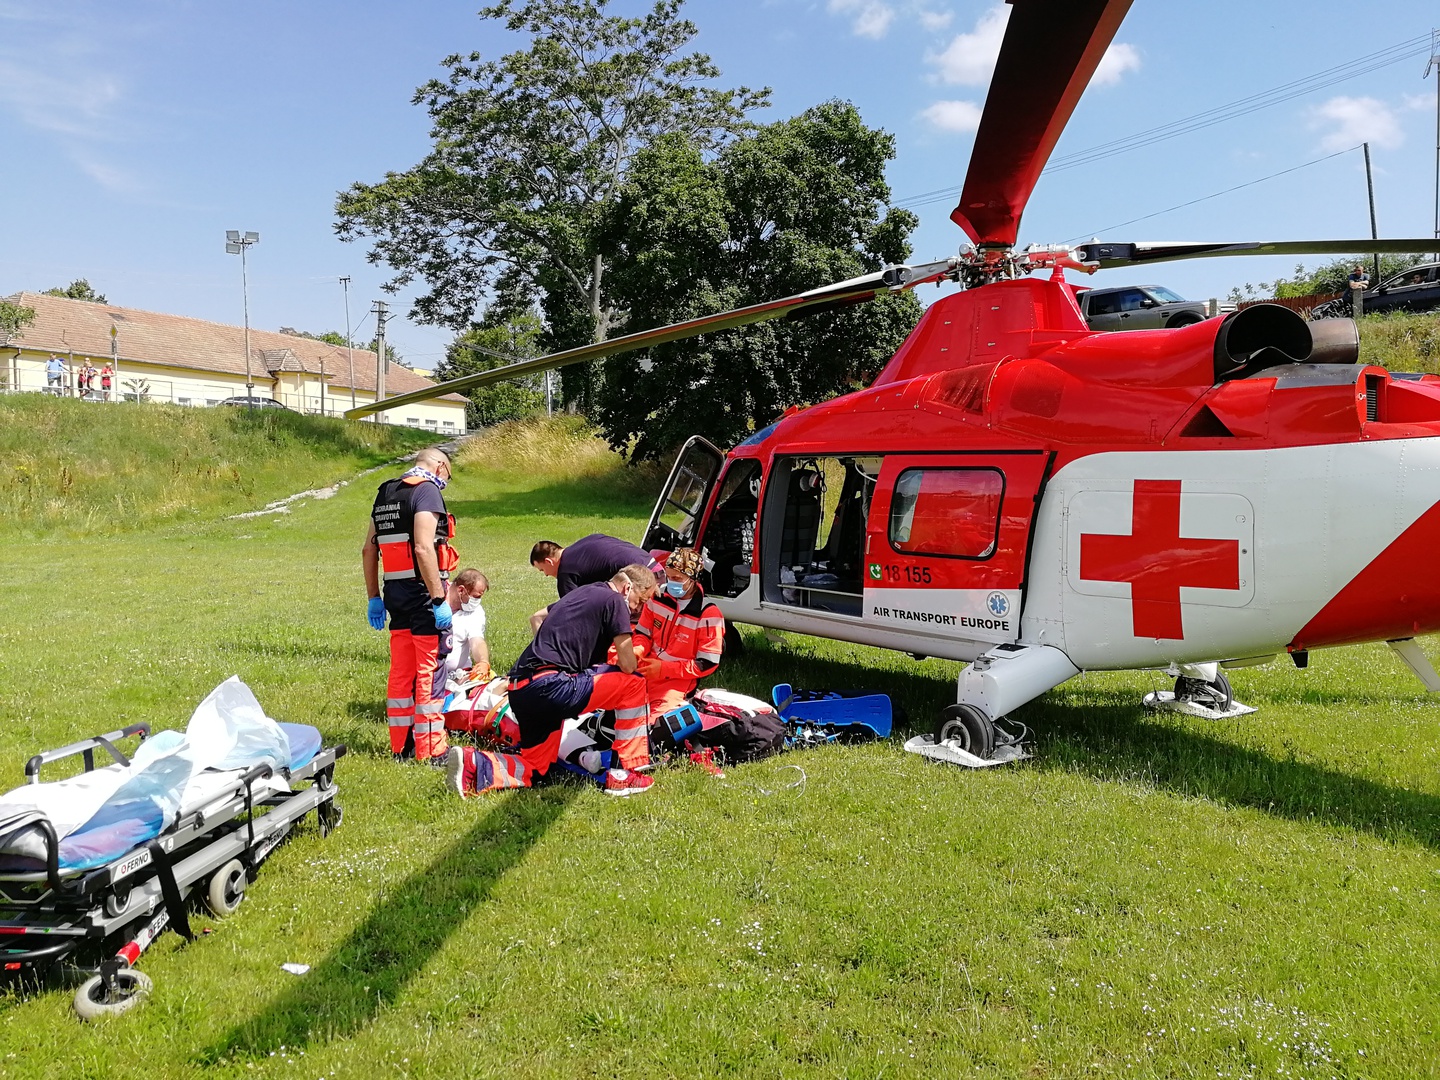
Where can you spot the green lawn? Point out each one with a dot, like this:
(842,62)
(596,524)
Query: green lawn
(1148,897)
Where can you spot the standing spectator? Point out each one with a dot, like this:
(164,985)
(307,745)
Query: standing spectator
(55,376)
(106,374)
(87,379)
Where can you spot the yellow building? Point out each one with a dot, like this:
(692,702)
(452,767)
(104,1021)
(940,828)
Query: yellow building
(170,358)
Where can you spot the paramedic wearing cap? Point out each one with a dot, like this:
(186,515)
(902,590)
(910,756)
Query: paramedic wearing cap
(561,674)
(680,635)
(408,546)
(592,558)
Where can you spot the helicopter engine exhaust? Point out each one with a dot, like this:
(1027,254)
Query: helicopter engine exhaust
(1266,335)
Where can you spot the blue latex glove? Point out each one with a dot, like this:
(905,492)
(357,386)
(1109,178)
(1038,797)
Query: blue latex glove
(442,616)
(375,612)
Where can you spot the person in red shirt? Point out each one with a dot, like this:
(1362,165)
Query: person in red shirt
(680,635)
(562,674)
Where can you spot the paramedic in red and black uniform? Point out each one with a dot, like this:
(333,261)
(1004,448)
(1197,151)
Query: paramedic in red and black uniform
(408,546)
(680,635)
(590,559)
(562,674)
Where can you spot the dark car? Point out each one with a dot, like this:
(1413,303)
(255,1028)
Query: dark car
(1138,307)
(254,402)
(1416,289)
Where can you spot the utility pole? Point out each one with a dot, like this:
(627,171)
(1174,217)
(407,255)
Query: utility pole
(1370,190)
(1434,64)
(349,346)
(381,314)
(238,244)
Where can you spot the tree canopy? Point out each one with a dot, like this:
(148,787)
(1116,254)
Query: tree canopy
(79,289)
(529,151)
(500,340)
(792,206)
(14,318)
(1326,279)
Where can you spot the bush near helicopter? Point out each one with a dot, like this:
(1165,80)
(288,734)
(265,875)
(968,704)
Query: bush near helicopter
(1035,499)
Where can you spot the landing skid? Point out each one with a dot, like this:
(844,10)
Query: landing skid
(951,753)
(1165,701)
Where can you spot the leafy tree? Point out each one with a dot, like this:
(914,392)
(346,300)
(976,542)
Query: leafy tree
(79,289)
(530,151)
(493,344)
(792,206)
(330,337)
(14,318)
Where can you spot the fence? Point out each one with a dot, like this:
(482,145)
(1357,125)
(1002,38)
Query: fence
(131,387)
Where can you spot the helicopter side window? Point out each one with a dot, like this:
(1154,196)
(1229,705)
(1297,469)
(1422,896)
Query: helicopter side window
(948,512)
(819,552)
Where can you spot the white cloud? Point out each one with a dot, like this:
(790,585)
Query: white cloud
(1352,120)
(933,20)
(872,18)
(1118,59)
(954,116)
(969,59)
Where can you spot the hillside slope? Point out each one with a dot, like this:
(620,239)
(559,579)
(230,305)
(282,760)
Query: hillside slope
(87,469)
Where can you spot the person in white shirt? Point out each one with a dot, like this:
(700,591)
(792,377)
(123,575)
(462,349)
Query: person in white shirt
(467,627)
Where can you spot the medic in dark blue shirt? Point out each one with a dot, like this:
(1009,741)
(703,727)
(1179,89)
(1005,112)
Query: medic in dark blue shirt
(590,559)
(562,674)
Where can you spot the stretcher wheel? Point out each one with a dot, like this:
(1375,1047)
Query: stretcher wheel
(226,889)
(94,1001)
(971,729)
(330,814)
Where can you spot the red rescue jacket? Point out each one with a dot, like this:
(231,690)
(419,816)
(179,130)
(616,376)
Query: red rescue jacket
(687,640)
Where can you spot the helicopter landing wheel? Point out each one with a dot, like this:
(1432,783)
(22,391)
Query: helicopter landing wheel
(969,727)
(1214,694)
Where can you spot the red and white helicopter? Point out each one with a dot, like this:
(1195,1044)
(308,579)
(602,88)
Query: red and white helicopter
(1035,499)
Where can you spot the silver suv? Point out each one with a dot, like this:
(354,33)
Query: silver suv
(1138,307)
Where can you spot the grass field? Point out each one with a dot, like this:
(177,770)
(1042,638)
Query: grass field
(1148,897)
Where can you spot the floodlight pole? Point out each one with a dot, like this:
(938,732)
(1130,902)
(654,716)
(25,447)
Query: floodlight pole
(235,244)
(349,348)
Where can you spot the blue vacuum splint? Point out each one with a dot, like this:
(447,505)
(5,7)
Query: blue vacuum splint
(836,713)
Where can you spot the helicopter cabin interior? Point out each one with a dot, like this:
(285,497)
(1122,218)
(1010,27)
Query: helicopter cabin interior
(822,531)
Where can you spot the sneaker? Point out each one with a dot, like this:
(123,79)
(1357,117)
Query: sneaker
(623,782)
(455,770)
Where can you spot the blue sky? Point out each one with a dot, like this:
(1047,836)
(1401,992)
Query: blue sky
(134,134)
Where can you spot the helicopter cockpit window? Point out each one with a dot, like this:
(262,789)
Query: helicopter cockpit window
(820,555)
(948,512)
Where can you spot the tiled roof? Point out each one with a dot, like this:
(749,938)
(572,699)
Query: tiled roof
(64,325)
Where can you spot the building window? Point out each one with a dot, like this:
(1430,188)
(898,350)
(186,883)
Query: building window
(413,421)
(450,423)
(212,401)
(432,423)
(953,512)
(182,401)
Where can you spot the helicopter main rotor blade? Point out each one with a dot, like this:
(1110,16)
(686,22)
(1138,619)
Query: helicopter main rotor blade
(1050,51)
(854,291)
(1107,256)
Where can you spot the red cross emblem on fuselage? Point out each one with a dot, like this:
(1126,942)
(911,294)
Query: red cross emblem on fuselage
(1156,560)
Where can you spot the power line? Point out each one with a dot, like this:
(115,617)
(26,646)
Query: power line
(1265,99)
(1214,195)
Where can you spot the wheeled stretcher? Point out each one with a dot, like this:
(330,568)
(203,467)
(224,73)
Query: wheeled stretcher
(189,819)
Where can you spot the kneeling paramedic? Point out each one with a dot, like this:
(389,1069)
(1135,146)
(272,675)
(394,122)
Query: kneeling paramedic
(562,674)
(408,544)
(680,635)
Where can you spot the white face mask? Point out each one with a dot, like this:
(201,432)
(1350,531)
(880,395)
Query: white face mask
(472,604)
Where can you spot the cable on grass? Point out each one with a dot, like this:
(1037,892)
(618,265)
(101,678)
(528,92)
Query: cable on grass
(792,786)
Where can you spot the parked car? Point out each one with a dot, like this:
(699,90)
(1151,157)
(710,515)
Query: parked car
(255,402)
(1138,307)
(1416,289)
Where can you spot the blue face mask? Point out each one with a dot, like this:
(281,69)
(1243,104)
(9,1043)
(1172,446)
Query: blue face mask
(675,588)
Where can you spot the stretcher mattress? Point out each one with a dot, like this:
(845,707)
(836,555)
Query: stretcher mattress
(100,815)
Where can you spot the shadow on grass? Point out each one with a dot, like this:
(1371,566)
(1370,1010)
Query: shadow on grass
(370,970)
(1113,743)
